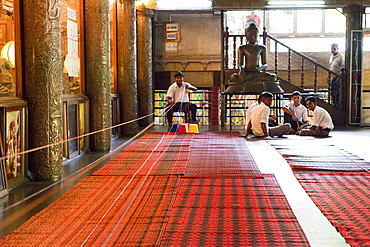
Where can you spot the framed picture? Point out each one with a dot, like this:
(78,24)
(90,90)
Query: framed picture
(13,142)
(171,32)
(171,36)
(172,27)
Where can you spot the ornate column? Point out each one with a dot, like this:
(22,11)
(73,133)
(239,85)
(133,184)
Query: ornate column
(97,64)
(127,68)
(145,63)
(43,86)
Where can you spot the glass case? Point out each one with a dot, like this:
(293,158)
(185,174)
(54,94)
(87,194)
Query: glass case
(12,143)
(7,49)
(75,124)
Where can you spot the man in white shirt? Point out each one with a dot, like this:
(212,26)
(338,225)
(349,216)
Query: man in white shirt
(295,113)
(178,97)
(322,122)
(260,117)
(336,62)
(249,110)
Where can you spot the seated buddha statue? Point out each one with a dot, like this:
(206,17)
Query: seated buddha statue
(252,63)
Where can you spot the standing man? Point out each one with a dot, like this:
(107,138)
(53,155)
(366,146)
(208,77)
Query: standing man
(322,123)
(260,117)
(295,113)
(336,64)
(178,97)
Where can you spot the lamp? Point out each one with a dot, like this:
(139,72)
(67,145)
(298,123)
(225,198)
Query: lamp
(8,53)
(313,3)
(147,3)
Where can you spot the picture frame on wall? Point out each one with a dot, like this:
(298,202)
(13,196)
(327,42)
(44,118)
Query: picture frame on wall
(13,140)
(171,32)
(172,26)
(171,36)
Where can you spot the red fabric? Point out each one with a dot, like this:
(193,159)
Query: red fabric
(220,155)
(344,199)
(338,183)
(113,207)
(232,212)
(309,156)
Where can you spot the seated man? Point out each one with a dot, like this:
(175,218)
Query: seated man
(295,113)
(250,109)
(259,119)
(178,97)
(322,123)
(272,119)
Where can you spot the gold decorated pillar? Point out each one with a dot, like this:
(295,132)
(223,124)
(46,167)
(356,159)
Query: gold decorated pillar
(145,63)
(127,67)
(43,86)
(97,65)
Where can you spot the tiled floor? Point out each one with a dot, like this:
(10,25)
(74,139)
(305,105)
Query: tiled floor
(26,200)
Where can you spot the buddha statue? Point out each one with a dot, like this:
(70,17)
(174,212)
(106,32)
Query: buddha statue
(252,63)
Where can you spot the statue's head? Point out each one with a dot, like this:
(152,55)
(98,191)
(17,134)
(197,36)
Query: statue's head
(252,33)
(252,26)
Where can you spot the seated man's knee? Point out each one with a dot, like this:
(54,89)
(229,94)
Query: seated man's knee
(304,132)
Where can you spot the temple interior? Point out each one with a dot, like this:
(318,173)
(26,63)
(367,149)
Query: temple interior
(97,147)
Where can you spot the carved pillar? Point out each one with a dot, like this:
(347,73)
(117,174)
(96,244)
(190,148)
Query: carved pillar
(43,86)
(145,63)
(127,68)
(97,64)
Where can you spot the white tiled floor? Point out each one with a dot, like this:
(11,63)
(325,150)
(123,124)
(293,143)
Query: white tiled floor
(317,228)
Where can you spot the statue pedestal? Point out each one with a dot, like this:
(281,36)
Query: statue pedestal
(253,88)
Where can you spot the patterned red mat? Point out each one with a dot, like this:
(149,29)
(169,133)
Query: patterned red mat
(99,210)
(338,183)
(156,152)
(344,198)
(115,208)
(232,212)
(311,156)
(222,154)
